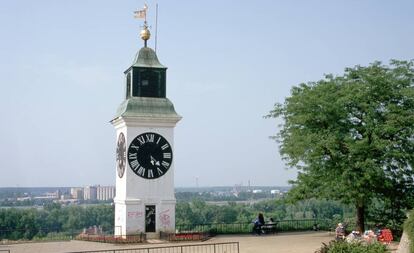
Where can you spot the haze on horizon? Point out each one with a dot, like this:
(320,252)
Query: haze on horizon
(61,77)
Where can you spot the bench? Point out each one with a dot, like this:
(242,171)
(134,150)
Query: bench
(269,228)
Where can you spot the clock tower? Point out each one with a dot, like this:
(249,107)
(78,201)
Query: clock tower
(144,123)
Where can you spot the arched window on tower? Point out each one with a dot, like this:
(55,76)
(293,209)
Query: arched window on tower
(128,85)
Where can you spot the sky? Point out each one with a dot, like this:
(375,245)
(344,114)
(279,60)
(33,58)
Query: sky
(61,80)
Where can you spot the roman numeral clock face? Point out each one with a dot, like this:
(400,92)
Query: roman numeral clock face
(120,155)
(150,155)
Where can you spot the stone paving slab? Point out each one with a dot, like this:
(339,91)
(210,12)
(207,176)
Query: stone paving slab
(304,242)
(404,246)
(300,242)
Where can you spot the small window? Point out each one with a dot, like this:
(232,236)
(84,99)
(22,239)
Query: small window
(144,82)
(128,85)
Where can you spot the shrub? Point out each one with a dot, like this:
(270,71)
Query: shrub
(344,247)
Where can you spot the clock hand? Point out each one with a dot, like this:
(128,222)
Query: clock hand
(153,161)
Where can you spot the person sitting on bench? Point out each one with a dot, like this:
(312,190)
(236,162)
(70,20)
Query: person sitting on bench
(258,223)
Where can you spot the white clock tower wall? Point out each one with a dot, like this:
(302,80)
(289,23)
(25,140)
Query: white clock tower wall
(162,187)
(130,185)
(134,193)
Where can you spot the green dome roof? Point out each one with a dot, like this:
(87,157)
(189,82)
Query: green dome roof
(147,58)
(147,107)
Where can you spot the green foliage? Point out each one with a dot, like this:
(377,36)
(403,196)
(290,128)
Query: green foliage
(409,229)
(55,221)
(344,247)
(351,137)
(38,223)
(199,212)
(381,212)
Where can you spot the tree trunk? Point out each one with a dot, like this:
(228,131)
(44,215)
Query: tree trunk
(360,218)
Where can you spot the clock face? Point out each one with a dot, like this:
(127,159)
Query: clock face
(150,155)
(121,155)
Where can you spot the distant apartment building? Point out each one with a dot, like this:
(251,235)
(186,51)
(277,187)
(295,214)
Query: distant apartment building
(76,192)
(53,195)
(23,198)
(89,193)
(275,192)
(93,193)
(105,192)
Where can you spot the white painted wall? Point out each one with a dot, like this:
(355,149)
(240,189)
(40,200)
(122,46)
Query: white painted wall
(133,193)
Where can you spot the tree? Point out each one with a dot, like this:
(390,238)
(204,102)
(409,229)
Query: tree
(351,137)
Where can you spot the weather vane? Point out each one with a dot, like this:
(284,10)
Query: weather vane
(142,13)
(145,33)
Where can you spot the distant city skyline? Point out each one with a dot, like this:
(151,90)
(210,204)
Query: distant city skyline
(61,79)
(176,187)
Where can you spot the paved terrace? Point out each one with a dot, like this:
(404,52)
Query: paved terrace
(295,242)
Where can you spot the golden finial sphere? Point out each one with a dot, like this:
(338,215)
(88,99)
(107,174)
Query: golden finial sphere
(145,34)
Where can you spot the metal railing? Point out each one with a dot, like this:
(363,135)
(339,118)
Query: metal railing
(216,228)
(188,232)
(245,228)
(228,247)
(38,234)
(299,225)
